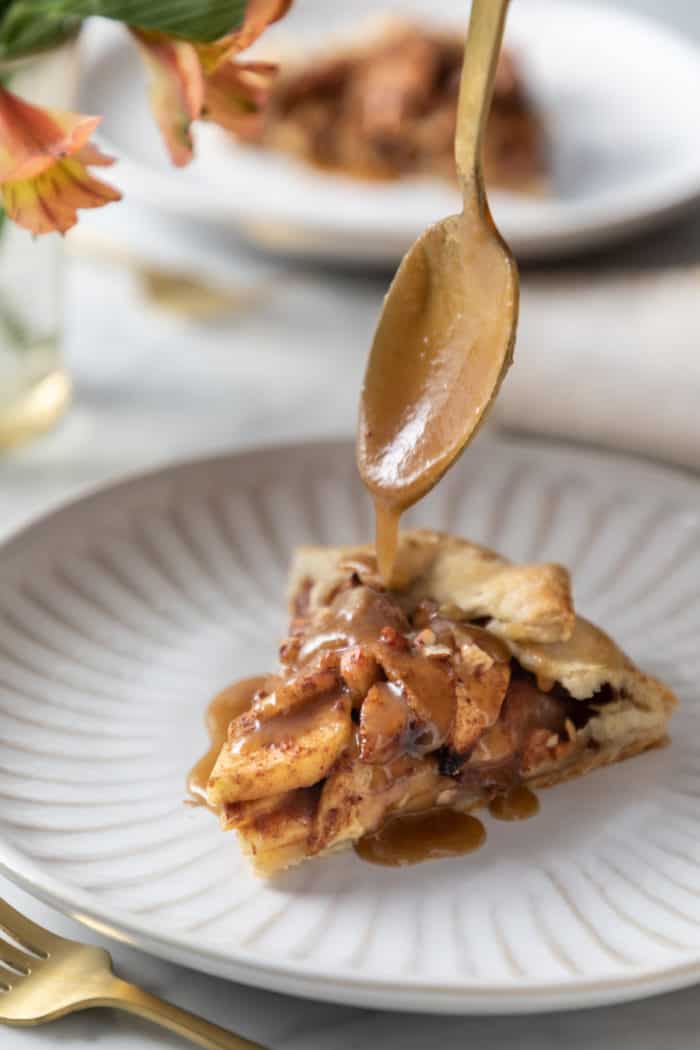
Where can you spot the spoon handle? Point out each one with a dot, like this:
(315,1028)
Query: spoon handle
(481,52)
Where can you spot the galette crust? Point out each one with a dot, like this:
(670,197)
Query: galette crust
(530,609)
(523,603)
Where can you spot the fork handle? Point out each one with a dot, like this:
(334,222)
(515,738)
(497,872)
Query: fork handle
(124,996)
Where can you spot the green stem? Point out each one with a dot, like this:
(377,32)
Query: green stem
(10,325)
(12,328)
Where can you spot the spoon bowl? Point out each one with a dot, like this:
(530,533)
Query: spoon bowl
(442,347)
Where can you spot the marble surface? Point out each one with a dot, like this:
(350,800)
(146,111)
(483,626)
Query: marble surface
(151,388)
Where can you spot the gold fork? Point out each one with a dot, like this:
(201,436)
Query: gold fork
(50,976)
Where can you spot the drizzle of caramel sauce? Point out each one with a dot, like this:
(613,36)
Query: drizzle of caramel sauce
(225,706)
(387,518)
(429,835)
(355,617)
(518,804)
(384,722)
(283,725)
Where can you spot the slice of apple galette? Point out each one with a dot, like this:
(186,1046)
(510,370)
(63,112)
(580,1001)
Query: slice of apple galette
(469,679)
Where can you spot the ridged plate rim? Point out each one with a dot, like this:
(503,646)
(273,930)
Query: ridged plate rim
(458,996)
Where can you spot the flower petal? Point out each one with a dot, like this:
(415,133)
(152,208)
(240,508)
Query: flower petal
(258,15)
(31,138)
(90,154)
(236,93)
(50,200)
(177,88)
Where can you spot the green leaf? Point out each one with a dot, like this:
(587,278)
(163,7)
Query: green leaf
(24,33)
(26,21)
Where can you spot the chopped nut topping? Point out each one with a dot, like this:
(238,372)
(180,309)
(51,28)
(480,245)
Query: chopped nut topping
(570,729)
(423,614)
(289,650)
(363,569)
(544,683)
(475,659)
(390,636)
(553,740)
(329,660)
(426,637)
(437,652)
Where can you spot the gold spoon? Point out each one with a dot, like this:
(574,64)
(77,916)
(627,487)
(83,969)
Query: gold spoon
(445,337)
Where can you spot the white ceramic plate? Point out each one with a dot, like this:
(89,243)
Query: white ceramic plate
(620,94)
(122,614)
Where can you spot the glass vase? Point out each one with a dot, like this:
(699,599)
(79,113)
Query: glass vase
(34,385)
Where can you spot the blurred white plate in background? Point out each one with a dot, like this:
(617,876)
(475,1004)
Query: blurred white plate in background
(620,94)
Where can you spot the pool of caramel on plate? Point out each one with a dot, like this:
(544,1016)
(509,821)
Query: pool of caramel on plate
(225,706)
(438,833)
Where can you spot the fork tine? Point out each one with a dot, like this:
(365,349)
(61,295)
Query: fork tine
(15,959)
(32,937)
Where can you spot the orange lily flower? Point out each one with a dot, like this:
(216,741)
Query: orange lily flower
(177,88)
(235,95)
(259,14)
(45,154)
(193,80)
(43,165)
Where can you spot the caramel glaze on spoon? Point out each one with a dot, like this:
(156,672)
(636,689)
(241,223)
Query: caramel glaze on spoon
(445,337)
